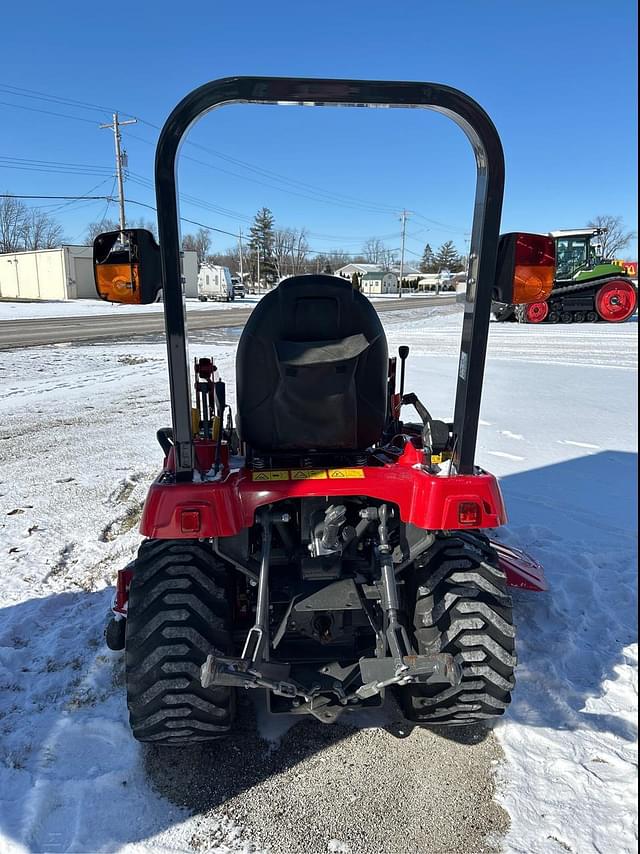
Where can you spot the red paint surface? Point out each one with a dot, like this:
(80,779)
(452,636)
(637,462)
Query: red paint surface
(228,505)
(521,569)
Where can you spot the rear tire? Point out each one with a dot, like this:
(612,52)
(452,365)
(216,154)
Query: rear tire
(462,607)
(178,612)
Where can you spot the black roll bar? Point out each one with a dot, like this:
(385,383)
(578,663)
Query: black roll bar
(464,111)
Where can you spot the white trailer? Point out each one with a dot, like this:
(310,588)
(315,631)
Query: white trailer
(214,283)
(47,274)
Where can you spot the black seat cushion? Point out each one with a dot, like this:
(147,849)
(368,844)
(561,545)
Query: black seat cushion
(311,369)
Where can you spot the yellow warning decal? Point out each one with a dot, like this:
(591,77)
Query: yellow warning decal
(441,458)
(309,474)
(276,474)
(339,474)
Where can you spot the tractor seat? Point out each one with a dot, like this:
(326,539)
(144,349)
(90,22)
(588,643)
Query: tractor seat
(311,369)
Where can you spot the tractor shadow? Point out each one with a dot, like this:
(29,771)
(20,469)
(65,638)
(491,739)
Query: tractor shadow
(322,782)
(204,778)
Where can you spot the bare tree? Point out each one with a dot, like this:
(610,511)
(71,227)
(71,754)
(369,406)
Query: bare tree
(40,231)
(334,258)
(147,224)
(299,251)
(373,250)
(199,242)
(96,228)
(229,257)
(23,228)
(282,247)
(12,215)
(388,259)
(616,239)
(290,251)
(337,258)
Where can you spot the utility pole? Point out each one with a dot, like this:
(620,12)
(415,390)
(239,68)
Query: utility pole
(258,256)
(115,126)
(240,246)
(403,220)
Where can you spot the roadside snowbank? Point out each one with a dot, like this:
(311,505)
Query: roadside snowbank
(92,307)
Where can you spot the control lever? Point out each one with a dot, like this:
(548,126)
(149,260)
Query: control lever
(403,352)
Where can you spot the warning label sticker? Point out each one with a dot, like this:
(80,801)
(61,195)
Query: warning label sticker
(339,474)
(270,475)
(306,474)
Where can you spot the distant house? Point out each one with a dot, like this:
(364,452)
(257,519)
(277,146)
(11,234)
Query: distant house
(361,269)
(379,282)
(410,274)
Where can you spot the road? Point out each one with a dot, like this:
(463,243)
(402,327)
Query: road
(31,332)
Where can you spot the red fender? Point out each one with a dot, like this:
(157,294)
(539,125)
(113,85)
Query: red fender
(521,569)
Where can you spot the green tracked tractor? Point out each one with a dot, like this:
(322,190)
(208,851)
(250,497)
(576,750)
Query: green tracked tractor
(587,287)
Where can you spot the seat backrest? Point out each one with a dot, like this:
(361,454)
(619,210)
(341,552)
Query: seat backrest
(311,368)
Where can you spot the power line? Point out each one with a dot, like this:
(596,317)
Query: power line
(320,194)
(23,196)
(48,112)
(194,200)
(20,92)
(334,198)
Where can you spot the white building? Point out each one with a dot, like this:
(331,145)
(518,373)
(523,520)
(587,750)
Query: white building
(361,269)
(190,273)
(379,282)
(48,274)
(409,272)
(65,274)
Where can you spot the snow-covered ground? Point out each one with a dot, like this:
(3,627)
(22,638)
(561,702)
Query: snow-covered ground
(82,307)
(77,451)
(559,425)
(10,310)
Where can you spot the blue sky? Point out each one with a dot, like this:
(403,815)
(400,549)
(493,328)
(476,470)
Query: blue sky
(565,109)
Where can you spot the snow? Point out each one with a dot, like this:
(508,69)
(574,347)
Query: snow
(560,428)
(10,310)
(82,307)
(77,452)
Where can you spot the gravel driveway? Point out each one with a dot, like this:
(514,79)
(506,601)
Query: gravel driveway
(375,788)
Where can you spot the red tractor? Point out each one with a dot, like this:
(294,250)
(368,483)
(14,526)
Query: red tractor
(319,546)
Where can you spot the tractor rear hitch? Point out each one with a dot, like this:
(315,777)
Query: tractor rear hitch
(234,672)
(396,663)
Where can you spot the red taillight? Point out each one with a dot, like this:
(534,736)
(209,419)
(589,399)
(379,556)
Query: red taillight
(469,513)
(190,521)
(534,268)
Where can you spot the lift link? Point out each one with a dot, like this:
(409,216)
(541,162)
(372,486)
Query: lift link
(253,669)
(403,665)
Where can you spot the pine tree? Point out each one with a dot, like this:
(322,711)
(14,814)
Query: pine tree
(261,240)
(448,258)
(426,264)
